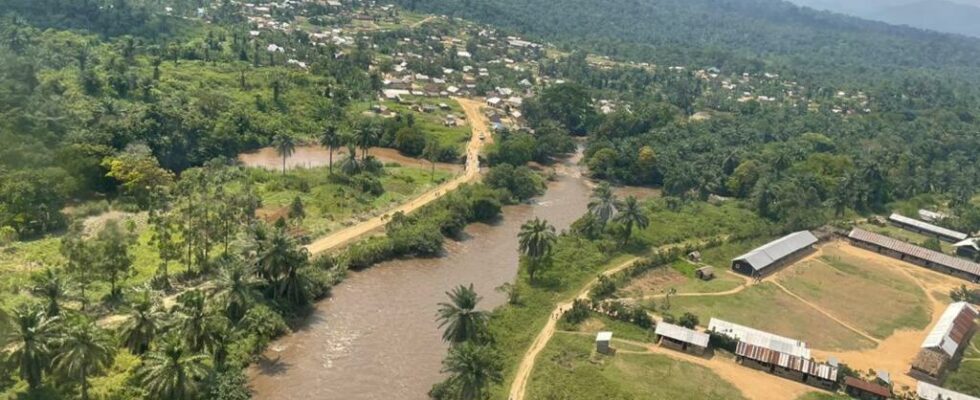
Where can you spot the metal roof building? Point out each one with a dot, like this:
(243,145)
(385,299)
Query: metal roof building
(759,338)
(952,329)
(927,228)
(770,254)
(682,334)
(771,349)
(918,255)
(928,391)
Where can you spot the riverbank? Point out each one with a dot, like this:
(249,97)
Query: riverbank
(376,337)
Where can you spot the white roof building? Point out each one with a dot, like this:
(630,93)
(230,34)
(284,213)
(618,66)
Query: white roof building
(683,334)
(770,253)
(759,338)
(603,336)
(952,329)
(925,226)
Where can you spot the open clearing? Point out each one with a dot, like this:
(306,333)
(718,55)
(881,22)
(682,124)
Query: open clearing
(765,306)
(570,369)
(855,291)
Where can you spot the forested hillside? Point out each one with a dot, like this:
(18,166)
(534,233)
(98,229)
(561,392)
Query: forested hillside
(733,34)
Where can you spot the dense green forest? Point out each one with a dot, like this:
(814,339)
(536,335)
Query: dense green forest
(801,159)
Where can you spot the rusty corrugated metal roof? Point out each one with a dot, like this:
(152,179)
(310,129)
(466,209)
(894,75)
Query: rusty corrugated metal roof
(936,257)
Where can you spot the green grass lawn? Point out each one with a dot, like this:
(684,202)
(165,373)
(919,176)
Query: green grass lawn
(330,204)
(568,368)
(678,275)
(621,330)
(764,306)
(855,291)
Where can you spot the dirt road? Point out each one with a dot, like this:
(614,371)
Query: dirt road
(519,386)
(479,126)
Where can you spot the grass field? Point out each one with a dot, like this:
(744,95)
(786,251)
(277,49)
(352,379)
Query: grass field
(569,369)
(874,298)
(330,205)
(764,306)
(678,275)
(623,330)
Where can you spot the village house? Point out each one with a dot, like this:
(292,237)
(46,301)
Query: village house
(682,339)
(768,257)
(968,248)
(944,342)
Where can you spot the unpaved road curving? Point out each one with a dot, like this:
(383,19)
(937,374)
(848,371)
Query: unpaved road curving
(519,386)
(479,127)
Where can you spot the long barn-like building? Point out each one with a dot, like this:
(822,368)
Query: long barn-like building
(788,358)
(926,228)
(931,259)
(768,257)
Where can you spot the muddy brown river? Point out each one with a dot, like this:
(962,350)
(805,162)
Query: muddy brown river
(377,338)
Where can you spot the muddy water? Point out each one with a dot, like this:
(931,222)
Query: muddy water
(317,156)
(377,338)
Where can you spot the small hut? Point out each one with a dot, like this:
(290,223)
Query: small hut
(602,340)
(705,273)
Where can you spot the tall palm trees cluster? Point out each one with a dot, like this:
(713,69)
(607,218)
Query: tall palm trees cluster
(182,348)
(472,363)
(362,135)
(604,207)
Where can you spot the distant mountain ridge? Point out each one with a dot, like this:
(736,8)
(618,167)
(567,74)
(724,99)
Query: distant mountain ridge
(959,17)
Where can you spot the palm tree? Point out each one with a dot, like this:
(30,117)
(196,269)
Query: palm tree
(472,369)
(194,320)
(350,166)
(235,287)
(365,136)
(331,139)
(631,214)
(172,372)
(285,146)
(536,240)
(83,350)
(459,316)
(53,287)
(431,153)
(142,326)
(603,203)
(29,345)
